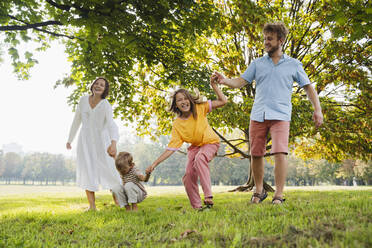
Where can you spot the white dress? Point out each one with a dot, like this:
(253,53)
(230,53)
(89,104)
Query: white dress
(94,166)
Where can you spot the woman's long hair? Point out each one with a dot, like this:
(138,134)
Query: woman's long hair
(193,101)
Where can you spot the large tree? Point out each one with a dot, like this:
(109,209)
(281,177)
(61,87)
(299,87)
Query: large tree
(147,48)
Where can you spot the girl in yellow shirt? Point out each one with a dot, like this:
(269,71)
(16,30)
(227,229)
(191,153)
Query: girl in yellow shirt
(191,126)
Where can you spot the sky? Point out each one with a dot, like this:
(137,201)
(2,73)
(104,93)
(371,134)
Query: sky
(32,113)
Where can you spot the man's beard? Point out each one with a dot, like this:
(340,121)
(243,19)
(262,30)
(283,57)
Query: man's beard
(273,50)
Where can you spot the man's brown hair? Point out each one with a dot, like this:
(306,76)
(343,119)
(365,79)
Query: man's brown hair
(277,27)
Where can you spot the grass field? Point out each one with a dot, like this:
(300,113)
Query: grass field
(54,216)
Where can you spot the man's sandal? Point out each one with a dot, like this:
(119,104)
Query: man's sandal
(277,199)
(261,196)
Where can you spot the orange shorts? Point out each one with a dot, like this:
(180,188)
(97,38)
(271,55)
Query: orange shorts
(258,131)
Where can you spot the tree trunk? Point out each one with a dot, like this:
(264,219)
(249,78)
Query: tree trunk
(248,186)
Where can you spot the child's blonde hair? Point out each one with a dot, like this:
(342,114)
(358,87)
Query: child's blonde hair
(123,161)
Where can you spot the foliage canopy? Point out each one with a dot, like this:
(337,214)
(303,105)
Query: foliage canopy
(148,48)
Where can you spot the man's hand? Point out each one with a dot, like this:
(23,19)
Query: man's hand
(218,78)
(318,118)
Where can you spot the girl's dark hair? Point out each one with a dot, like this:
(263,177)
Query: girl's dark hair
(107,87)
(278,27)
(193,102)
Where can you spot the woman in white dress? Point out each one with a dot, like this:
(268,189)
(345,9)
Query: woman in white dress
(96,146)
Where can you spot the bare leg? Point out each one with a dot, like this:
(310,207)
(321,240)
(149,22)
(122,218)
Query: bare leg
(280,172)
(115,200)
(257,164)
(127,207)
(134,207)
(91,199)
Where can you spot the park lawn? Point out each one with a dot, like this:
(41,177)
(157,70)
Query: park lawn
(307,219)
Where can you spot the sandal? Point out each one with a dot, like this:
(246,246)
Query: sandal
(261,196)
(277,199)
(208,204)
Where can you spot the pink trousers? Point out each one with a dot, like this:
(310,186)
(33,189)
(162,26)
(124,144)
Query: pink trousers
(197,167)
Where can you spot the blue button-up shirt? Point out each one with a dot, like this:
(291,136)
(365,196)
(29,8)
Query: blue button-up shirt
(274,86)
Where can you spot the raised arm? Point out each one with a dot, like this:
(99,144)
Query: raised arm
(314,99)
(232,83)
(221,98)
(166,154)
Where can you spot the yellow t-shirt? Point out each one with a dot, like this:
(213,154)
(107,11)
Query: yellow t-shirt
(196,132)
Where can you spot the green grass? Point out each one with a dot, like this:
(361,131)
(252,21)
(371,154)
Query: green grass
(335,218)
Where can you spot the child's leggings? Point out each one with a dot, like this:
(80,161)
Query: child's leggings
(197,167)
(128,193)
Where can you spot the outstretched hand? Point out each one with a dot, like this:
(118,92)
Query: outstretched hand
(149,169)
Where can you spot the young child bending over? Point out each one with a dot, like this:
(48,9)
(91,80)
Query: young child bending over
(132,191)
(191,126)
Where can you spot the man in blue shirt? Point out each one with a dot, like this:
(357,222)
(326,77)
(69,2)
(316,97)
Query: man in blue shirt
(274,75)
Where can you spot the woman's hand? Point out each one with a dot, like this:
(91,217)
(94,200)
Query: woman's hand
(111,150)
(68,146)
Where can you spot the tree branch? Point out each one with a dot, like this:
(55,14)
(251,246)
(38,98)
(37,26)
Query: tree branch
(236,150)
(59,6)
(36,27)
(28,26)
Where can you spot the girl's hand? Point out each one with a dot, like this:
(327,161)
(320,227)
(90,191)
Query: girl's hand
(68,146)
(111,150)
(149,169)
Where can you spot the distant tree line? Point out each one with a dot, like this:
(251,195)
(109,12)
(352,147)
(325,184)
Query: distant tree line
(234,171)
(46,168)
(36,168)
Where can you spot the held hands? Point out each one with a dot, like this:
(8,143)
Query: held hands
(213,80)
(147,177)
(111,150)
(150,169)
(217,78)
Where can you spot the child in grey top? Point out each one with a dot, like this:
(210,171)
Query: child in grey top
(132,191)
